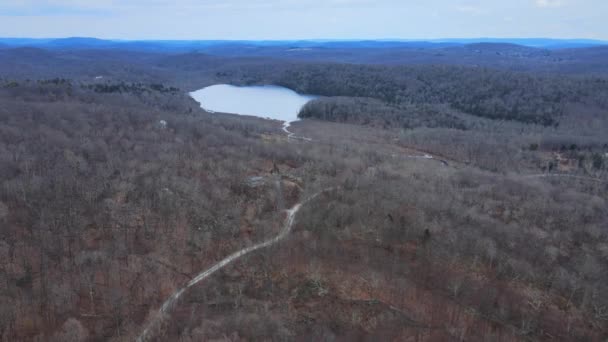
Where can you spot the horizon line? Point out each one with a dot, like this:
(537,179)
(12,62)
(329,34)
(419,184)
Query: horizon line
(388,39)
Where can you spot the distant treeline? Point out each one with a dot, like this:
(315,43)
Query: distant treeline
(130,88)
(107,87)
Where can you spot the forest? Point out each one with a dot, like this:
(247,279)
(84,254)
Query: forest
(494,94)
(436,202)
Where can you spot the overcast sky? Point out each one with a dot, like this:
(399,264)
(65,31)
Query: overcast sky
(301,19)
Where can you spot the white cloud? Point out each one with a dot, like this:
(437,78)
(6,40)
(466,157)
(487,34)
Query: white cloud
(474,10)
(549,3)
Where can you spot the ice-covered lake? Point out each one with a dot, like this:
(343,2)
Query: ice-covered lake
(269,101)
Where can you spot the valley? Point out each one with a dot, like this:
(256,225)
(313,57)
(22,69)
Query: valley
(403,202)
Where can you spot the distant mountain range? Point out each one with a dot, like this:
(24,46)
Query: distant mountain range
(193,45)
(76,56)
(545,43)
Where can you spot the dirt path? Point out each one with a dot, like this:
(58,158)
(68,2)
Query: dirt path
(169,303)
(291,135)
(288,225)
(425,156)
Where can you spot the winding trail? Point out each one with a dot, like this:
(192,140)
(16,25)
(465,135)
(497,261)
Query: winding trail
(291,135)
(169,303)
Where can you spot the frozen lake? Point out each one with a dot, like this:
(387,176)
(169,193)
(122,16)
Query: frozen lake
(270,102)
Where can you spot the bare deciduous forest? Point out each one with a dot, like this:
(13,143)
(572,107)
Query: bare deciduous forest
(461,202)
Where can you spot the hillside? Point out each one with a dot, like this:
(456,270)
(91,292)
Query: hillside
(429,201)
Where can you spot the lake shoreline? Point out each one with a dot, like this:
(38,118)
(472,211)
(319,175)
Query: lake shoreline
(266,101)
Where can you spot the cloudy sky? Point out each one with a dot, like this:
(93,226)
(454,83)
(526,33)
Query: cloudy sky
(300,19)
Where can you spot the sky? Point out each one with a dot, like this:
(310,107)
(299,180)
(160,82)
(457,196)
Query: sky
(304,19)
